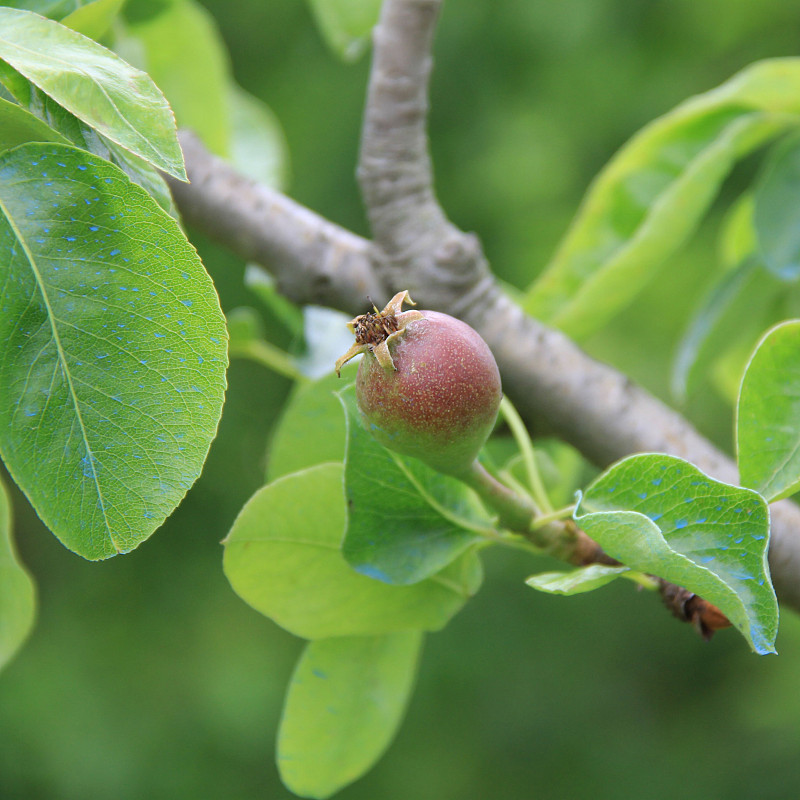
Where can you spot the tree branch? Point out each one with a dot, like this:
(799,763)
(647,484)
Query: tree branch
(313,260)
(547,376)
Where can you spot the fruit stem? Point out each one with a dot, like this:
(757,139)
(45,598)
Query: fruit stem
(558,514)
(517,513)
(523,440)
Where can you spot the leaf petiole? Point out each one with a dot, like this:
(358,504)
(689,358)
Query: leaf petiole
(553,516)
(523,440)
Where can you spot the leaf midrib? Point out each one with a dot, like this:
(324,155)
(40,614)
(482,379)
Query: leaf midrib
(63,362)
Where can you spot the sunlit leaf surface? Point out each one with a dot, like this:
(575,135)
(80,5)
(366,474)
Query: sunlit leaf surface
(768,418)
(405,521)
(661,515)
(94,84)
(114,349)
(345,703)
(652,193)
(283,557)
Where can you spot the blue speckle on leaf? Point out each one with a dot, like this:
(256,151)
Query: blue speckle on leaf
(372,571)
(88,462)
(681,523)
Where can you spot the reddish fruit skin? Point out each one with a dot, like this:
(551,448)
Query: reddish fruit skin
(440,402)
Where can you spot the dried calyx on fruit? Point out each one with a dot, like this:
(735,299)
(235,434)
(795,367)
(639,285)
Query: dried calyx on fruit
(428,385)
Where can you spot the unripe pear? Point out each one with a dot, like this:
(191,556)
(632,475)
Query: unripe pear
(428,386)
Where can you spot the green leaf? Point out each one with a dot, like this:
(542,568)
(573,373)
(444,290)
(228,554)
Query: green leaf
(717,321)
(182,51)
(777,211)
(737,239)
(768,415)
(93,19)
(346,24)
(345,703)
(81,135)
(137,169)
(258,147)
(661,515)
(405,521)
(18,126)
(653,192)
(283,557)
(54,9)
(17,590)
(98,87)
(312,428)
(113,349)
(576,581)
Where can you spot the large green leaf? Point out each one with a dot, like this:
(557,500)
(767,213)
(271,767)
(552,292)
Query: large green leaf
(346,24)
(182,51)
(405,521)
(651,195)
(94,84)
(777,211)
(661,515)
(768,415)
(17,590)
(283,557)
(345,703)
(113,349)
(18,126)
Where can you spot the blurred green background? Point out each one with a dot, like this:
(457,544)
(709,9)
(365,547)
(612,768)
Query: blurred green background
(146,677)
